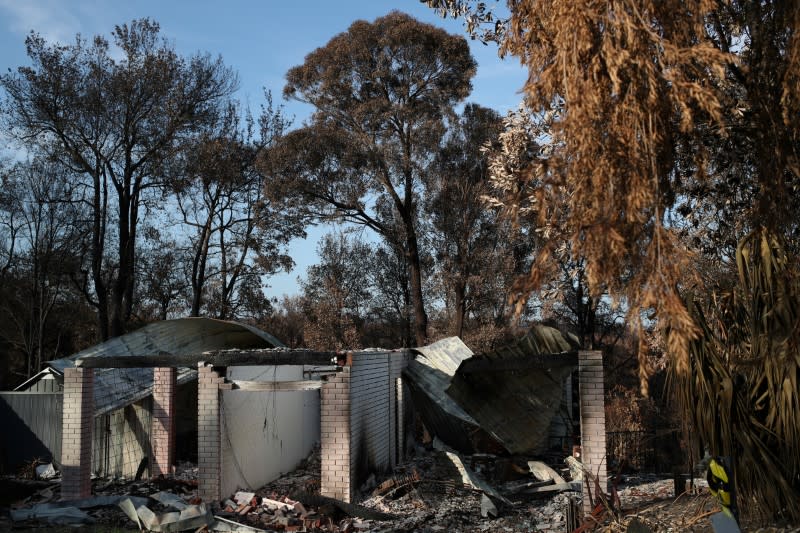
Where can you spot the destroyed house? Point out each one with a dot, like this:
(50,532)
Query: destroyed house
(358,404)
(124,404)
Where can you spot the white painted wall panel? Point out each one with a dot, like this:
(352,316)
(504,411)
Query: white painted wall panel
(265,434)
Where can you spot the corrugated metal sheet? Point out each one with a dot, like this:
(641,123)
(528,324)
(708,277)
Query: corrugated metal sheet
(509,395)
(31,425)
(514,392)
(117,387)
(428,377)
(48,380)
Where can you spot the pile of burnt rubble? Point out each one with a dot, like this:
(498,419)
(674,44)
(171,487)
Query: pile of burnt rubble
(436,490)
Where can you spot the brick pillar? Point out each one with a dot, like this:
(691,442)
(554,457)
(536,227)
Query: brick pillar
(400,421)
(209,460)
(392,422)
(162,426)
(78,423)
(593,423)
(335,436)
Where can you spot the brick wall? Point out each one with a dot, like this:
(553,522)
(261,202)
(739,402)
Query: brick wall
(78,422)
(593,422)
(209,383)
(364,421)
(335,436)
(162,426)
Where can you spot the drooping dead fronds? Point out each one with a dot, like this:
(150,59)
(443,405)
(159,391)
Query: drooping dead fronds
(628,76)
(649,106)
(741,391)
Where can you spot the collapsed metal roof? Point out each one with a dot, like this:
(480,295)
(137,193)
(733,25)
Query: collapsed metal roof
(512,393)
(428,377)
(117,387)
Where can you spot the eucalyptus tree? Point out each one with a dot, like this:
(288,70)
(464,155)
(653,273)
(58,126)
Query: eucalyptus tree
(237,233)
(337,293)
(42,218)
(472,246)
(668,112)
(113,116)
(380,93)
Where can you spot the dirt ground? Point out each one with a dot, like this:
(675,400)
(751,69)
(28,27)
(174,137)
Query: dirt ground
(425,494)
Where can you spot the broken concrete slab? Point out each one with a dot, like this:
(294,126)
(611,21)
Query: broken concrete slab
(243,498)
(191,517)
(276,505)
(53,514)
(575,468)
(542,472)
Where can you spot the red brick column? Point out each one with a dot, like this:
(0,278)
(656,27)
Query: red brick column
(335,436)
(78,423)
(162,426)
(593,423)
(209,461)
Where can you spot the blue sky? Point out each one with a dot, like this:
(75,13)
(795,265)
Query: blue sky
(260,39)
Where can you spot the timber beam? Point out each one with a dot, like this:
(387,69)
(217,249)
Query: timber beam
(217,358)
(276,386)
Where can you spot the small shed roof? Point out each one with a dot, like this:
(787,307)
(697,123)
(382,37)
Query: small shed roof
(117,387)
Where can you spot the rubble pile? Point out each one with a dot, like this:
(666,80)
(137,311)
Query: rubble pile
(429,493)
(435,491)
(432,492)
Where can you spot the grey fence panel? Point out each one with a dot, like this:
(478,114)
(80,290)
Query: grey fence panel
(31,428)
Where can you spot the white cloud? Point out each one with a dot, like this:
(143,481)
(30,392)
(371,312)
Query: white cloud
(54,20)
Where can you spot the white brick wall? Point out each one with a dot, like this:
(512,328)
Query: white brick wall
(78,423)
(361,422)
(593,422)
(335,436)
